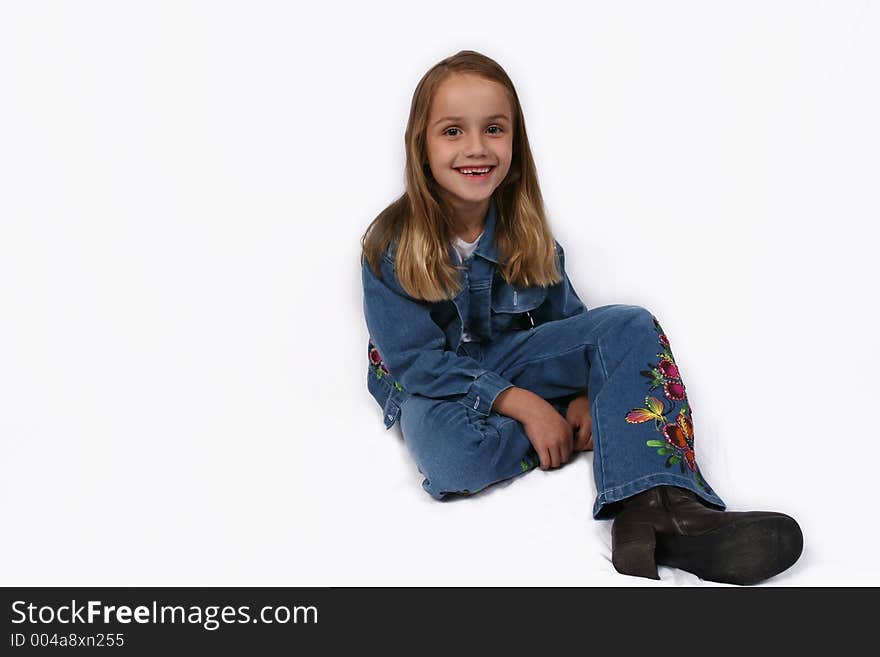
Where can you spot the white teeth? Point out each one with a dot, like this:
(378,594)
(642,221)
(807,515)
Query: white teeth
(473,170)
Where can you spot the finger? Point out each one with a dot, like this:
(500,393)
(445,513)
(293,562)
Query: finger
(579,440)
(544,455)
(569,445)
(555,457)
(586,436)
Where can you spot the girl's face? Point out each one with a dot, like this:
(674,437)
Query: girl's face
(469,125)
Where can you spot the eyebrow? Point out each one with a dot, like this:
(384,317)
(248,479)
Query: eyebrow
(459,118)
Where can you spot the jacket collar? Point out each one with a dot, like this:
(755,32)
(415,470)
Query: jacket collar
(486,248)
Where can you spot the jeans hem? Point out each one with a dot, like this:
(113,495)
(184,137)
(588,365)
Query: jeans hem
(604,509)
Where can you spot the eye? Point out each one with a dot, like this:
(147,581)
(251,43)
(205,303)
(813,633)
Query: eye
(498,128)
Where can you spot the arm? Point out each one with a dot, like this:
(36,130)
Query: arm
(550,433)
(521,404)
(562,300)
(412,347)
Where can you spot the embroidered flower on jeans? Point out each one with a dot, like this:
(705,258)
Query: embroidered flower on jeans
(678,437)
(528,463)
(663,340)
(379,367)
(665,373)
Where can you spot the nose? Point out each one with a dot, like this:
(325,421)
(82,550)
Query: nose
(475,146)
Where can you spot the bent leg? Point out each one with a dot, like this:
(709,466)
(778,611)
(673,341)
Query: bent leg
(460,451)
(618,354)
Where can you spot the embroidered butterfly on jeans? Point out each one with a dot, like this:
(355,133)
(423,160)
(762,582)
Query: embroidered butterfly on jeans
(679,436)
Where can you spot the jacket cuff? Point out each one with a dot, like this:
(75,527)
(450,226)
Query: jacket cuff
(483,391)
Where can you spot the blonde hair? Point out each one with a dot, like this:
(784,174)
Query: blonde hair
(424,222)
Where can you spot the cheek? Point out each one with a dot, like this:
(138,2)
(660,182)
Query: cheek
(506,154)
(437,156)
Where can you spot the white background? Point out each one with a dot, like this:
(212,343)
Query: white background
(183,187)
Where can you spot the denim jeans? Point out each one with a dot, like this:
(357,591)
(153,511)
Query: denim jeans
(641,418)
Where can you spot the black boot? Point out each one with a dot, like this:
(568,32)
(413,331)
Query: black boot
(668,525)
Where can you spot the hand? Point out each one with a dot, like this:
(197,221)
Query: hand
(551,436)
(549,432)
(578,418)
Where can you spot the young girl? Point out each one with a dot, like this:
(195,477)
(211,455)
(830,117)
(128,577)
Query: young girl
(483,350)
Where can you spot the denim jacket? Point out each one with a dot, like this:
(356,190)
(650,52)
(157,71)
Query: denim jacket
(413,345)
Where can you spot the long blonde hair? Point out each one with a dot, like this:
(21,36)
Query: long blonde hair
(424,221)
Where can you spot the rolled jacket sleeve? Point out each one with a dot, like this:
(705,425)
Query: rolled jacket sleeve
(412,347)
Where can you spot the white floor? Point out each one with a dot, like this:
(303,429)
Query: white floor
(233,500)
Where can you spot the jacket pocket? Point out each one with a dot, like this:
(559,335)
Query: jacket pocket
(511,299)
(512,306)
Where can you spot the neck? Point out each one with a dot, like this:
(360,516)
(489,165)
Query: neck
(470,218)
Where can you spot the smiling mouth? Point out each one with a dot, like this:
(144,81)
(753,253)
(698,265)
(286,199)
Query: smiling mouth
(476,176)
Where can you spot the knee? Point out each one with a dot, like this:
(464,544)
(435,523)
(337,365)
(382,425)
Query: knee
(442,443)
(458,465)
(637,319)
(464,454)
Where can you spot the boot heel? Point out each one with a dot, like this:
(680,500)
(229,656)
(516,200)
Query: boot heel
(632,549)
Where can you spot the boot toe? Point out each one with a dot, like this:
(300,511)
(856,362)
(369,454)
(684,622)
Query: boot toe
(790,543)
(745,552)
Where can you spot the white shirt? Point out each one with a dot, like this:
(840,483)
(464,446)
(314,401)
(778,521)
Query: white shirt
(465,250)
